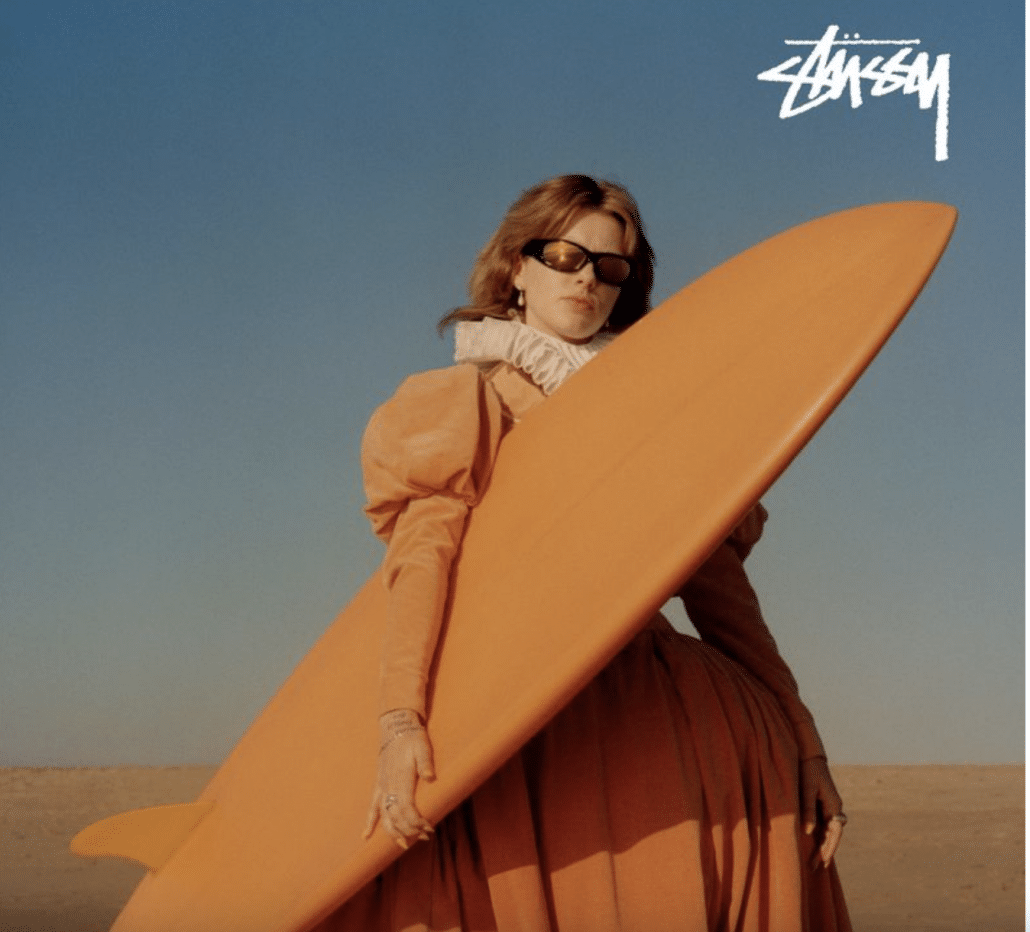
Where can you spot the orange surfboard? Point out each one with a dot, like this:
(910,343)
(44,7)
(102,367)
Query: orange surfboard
(677,428)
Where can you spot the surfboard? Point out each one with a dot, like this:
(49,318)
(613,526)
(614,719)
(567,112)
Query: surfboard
(678,428)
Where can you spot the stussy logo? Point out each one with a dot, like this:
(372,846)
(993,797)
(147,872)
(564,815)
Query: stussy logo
(827,74)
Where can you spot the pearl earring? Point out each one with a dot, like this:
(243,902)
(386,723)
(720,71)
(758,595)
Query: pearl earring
(521,300)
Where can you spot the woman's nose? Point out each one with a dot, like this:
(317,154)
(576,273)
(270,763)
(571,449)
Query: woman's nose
(587,274)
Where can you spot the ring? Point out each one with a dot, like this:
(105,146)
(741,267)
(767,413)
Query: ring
(839,817)
(389,801)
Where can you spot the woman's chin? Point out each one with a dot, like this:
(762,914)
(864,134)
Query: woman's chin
(570,331)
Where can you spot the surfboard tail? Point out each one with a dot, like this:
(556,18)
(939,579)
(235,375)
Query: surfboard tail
(147,836)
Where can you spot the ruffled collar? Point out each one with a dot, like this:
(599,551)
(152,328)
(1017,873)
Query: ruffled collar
(547,360)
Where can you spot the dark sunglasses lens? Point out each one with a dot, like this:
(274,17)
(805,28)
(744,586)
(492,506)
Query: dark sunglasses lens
(613,270)
(565,257)
(568,257)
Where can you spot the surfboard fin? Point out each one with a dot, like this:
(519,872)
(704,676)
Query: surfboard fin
(148,836)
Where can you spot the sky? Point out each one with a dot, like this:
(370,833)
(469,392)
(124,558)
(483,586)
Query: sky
(228,230)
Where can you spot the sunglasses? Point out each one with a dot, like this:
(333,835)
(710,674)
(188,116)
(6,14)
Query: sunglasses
(563,256)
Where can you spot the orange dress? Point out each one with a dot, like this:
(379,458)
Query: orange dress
(663,797)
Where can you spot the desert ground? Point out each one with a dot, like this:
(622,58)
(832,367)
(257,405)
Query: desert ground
(927,848)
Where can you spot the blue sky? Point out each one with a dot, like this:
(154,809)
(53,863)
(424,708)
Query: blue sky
(228,231)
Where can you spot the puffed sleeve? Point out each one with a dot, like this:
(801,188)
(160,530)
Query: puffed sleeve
(426,457)
(724,609)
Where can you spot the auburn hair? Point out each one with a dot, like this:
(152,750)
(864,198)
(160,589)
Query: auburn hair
(546,211)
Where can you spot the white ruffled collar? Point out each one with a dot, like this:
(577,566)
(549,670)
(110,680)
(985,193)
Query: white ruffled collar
(547,360)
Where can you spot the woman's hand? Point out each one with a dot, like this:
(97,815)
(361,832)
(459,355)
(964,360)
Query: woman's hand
(822,811)
(405,755)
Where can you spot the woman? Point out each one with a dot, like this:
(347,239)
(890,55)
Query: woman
(686,786)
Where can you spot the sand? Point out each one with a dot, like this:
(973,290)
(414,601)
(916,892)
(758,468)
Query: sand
(926,848)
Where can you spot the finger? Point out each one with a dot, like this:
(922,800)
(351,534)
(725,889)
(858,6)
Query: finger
(395,808)
(834,834)
(408,822)
(828,839)
(815,851)
(394,832)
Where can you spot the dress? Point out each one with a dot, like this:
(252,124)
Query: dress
(665,795)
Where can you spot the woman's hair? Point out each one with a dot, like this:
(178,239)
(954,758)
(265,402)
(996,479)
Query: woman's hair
(545,211)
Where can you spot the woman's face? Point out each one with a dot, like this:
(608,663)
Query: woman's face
(572,305)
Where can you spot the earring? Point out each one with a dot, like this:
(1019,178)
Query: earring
(520,302)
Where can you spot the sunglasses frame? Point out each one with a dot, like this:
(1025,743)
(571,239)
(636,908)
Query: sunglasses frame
(535,250)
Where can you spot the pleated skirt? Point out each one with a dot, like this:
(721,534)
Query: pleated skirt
(664,797)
